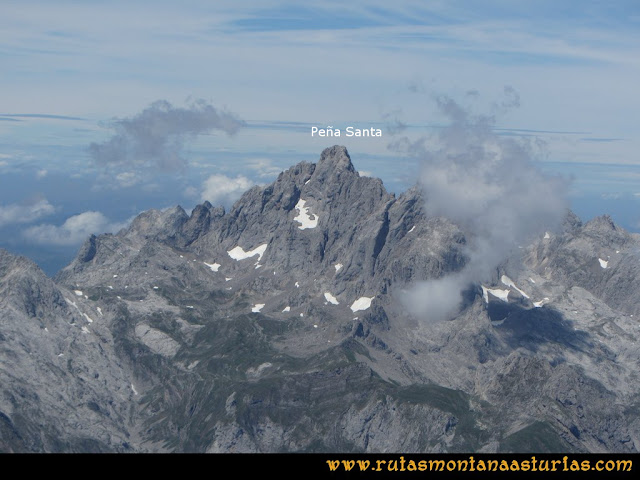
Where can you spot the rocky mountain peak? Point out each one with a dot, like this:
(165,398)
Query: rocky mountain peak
(604,223)
(9,262)
(571,222)
(158,222)
(336,157)
(603,230)
(334,165)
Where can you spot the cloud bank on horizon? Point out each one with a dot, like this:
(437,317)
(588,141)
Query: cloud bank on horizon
(490,186)
(26,212)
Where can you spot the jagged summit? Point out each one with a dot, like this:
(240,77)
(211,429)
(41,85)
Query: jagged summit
(336,158)
(602,221)
(9,260)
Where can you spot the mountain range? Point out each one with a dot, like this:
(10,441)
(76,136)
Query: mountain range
(279,326)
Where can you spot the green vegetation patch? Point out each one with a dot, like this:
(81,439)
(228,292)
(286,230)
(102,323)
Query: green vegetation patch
(539,437)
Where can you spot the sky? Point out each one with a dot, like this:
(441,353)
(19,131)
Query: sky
(109,109)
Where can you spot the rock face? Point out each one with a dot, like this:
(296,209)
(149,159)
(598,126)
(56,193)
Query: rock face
(64,387)
(277,327)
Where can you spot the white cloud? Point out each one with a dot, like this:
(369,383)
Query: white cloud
(191,192)
(25,213)
(73,231)
(264,167)
(127,179)
(222,189)
(611,196)
(115,181)
(41,173)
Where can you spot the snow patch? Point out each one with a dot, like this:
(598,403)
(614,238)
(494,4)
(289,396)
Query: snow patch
(189,306)
(541,302)
(89,319)
(78,292)
(257,266)
(338,266)
(331,299)
(361,304)
(286,309)
(193,364)
(532,280)
(257,307)
(509,283)
(297,285)
(412,229)
(603,263)
(237,253)
(115,276)
(303,217)
(546,235)
(226,279)
(155,288)
(213,266)
(133,389)
(99,310)
(496,292)
(255,372)
(85,330)
(71,303)
(262,366)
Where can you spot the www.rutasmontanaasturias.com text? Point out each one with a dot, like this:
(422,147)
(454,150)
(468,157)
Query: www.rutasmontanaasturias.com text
(471,464)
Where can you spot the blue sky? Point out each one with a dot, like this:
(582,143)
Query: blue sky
(70,68)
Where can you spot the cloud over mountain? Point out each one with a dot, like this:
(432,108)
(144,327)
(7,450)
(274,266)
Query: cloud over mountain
(155,137)
(222,189)
(490,186)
